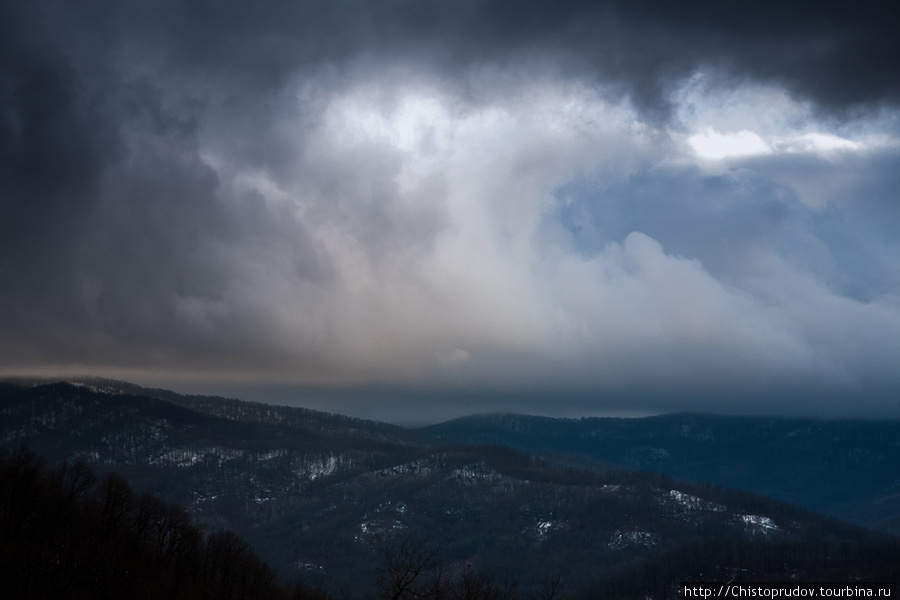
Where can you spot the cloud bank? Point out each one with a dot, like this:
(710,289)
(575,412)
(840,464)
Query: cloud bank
(624,206)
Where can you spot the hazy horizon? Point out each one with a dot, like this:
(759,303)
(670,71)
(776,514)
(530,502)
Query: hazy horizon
(420,408)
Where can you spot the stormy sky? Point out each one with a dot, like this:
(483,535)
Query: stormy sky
(414,209)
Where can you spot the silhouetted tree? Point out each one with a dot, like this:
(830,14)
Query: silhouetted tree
(64,536)
(406,562)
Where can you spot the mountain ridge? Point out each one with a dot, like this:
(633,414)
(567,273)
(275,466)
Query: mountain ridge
(316,495)
(847,468)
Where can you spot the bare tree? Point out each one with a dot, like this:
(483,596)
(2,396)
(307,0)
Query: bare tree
(480,586)
(550,589)
(408,566)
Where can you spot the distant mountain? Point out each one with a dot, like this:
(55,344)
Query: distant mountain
(305,421)
(335,500)
(847,469)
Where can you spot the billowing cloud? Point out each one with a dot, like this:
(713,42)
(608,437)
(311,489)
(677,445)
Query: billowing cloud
(627,206)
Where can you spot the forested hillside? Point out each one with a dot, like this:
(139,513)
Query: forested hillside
(64,533)
(848,469)
(337,502)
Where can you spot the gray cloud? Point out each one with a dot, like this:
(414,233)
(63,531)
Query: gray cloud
(484,196)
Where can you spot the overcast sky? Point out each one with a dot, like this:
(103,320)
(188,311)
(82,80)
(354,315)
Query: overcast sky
(413,209)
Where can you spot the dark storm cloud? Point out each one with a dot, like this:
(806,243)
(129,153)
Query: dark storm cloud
(834,53)
(196,186)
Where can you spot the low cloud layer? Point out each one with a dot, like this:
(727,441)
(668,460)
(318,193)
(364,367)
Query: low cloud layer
(452,207)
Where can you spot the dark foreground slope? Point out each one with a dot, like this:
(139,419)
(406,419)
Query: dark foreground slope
(335,500)
(847,469)
(66,534)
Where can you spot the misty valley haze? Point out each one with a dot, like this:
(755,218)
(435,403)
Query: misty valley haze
(417,210)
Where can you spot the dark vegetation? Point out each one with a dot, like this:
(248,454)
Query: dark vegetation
(719,560)
(365,510)
(847,469)
(66,534)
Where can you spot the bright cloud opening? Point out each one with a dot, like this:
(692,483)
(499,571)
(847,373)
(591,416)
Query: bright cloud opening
(712,145)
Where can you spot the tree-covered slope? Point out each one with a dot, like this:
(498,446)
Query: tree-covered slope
(326,498)
(848,469)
